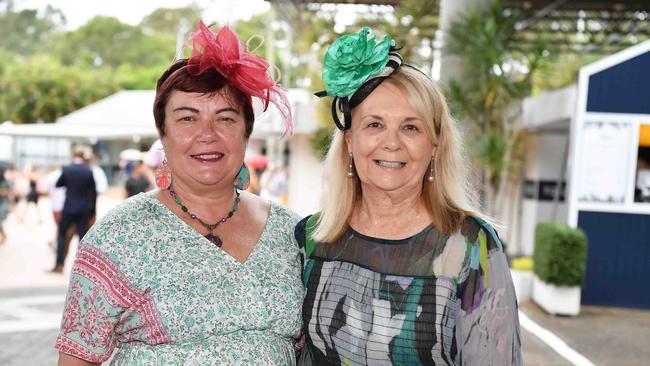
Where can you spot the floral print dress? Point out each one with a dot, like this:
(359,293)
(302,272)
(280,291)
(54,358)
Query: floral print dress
(430,299)
(147,283)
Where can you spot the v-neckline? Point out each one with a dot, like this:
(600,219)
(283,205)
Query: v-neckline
(152,195)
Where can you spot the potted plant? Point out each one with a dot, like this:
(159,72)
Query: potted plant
(560,261)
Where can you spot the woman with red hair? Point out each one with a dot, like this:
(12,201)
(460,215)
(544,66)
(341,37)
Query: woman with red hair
(198,271)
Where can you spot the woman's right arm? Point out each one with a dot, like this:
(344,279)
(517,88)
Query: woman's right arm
(67,360)
(93,308)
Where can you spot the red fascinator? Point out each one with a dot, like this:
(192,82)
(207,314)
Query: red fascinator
(224,52)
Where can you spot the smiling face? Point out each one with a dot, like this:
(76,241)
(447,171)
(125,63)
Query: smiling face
(204,138)
(389,142)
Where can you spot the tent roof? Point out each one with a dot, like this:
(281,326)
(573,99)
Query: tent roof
(125,114)
(126,108)
(128,114)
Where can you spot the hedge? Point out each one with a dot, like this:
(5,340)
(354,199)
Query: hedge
(560,254)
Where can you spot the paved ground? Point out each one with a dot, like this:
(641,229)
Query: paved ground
(606,336)
(537,353)
(31,301)
(35,347)
(24,309)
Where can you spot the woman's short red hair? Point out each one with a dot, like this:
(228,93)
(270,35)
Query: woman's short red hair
(177,77)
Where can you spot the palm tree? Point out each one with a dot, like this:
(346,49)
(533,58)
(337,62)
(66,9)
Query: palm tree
(495,77)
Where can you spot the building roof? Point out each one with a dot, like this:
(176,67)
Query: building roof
(619,82)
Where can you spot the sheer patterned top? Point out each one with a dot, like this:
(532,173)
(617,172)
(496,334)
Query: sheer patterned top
(430,299)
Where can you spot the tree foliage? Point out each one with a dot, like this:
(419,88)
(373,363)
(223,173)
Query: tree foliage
(413,26)
(105,41)
(46,72)
(171,20)
(495,77)
(26,32)
(40,88)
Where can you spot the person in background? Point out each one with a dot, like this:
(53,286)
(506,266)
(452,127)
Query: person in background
(274,183)
(33,195)
(101,181)
(197,272)
(400,269)
(57,199)
(642,187)
(139,181)
(154,156)
(80,201)
(6,194)
(21,187)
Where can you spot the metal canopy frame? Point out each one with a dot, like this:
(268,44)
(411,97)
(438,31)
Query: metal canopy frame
(566,26)
(582,26)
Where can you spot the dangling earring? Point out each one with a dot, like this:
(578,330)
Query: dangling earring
(430,177)
(350,171)
(243,178)
(163,175)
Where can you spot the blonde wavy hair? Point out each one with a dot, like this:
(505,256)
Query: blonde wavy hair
(449,198)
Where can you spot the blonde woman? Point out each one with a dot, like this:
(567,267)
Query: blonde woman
(400,269)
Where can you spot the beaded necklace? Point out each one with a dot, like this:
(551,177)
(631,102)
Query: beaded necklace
(215,239)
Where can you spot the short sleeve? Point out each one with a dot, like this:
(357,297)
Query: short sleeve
(89,318)
(103,307)
(487,326)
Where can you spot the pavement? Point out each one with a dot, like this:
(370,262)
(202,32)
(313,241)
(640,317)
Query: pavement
(604,335)
(31,302)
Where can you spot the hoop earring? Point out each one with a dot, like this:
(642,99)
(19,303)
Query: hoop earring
(243,178)
(430,177)
(350,168)
(163,175)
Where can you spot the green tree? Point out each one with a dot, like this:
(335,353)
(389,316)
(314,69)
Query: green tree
(26,31)
(171,20)
(413,26)
(39,88)
(495,77)
(105,41)
(133,77)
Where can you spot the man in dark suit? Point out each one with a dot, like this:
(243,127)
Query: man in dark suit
(79,205)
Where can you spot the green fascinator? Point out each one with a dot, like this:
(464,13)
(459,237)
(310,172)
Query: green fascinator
(353,67)
(352,59)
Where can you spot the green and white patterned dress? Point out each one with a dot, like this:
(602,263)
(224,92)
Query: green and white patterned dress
(146,282)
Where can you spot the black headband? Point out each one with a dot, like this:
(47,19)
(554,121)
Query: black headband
(346,104)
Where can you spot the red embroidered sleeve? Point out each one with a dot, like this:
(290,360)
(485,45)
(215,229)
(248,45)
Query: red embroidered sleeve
(101,305)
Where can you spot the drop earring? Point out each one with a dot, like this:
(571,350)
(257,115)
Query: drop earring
(350,169)
(430,177)
(243,178)
(163,175)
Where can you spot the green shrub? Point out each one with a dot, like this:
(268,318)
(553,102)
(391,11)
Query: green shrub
(560,254)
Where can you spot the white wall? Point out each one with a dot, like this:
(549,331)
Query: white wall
(41,151)
(305,176)
(6,148)
(545,154)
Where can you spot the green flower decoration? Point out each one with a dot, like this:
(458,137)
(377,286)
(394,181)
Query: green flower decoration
(352,59)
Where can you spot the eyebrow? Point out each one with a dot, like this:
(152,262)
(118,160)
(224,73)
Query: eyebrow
(227,109)
(185,109)
(410,118)
(194,110)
